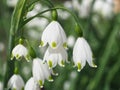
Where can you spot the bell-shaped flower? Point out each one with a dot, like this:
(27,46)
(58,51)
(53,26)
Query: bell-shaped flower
(16,83)
(82,53)
(41,71)
(54,35)
(32,85)
(55,56)
(19,51)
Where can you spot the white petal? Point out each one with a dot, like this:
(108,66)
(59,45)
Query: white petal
(79,54)
(88,53)
(52,60)
(32,85)
(37,71)
(55,56)
(19,51)
(54,35)
(16,82)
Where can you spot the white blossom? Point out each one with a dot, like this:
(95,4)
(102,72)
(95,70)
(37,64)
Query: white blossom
(85,8)
(19,51)
(41,71)
(16,82)
(107,11)
(32,85)
(54,35)
(104,8)
(1,85)
(71,41)
(55,56)
(12,3)
(98,6)
(2,46)
(82,53)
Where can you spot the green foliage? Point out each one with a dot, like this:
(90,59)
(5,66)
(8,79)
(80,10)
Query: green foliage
(103,37)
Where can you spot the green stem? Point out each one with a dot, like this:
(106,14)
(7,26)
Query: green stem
(112,72)
(89,19)
(72,14)
(104,59)
(10,63)
(15,21)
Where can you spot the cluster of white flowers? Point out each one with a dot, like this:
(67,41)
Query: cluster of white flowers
(103,8)
(55,36)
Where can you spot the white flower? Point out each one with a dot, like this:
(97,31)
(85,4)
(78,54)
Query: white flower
(1,85)
(107,11)
(16,82)
(55,56)
(32,85)
(54,35)
(12,3)
(82,53)
(98,6)
(41,71)
(19,51)
(71,41)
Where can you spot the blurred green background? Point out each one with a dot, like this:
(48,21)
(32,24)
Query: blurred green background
(101,25)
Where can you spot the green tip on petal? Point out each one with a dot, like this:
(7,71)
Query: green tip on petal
(50,64)
(27,57)
(41,83)
(41,43)
(21,41)
(54,73)
(14,89)
(12,57)
(62,63)
(94,65)
(50,79)
(65,45)
(54,44)
(17,56)
(22,88)
(79,67)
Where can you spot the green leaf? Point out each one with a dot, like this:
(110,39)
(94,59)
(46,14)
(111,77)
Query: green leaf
(16,17)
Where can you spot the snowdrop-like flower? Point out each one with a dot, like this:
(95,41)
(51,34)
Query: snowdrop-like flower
(82,53)
(16,83)
(85,8)
(71,41)
(12,3)
(55,56)
(19,51)
(107,11)
(41,71)
(98,6)
(1,85)
(32,85)
(54,35)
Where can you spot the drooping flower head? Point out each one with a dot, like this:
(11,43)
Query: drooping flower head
(20,51)
(55,56)
(54,35)
(82,53)
(32,85)
(41,71)
(16,83)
